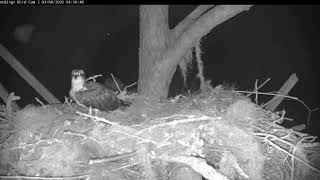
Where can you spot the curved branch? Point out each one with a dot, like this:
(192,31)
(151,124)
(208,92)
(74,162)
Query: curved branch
(200,28)
(178,31)
(196,13)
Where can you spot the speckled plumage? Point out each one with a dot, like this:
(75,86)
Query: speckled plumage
(94,95)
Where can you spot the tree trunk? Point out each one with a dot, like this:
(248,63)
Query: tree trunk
(153,40)
(161,50)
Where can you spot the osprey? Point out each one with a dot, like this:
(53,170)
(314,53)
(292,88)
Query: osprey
(93,94)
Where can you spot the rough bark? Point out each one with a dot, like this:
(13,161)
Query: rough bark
(153,39)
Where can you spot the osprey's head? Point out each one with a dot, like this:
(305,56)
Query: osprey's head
(78,79)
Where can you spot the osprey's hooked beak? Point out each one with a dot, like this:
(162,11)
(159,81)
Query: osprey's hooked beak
(77,79)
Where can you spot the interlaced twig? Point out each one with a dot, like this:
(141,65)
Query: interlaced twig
(284,90)
(266,136)
(66,100)
(256,89)
(284,96)
(189,119)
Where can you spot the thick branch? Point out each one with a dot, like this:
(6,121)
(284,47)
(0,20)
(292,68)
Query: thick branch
(26,75)
(178,31)
(196,13)
(200,28)
(187,21)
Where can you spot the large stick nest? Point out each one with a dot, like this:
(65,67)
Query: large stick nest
(219,134)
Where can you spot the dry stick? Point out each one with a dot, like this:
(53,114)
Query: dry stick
(123,128)
(26,75)
(113,158)
(256,90)
(199,165)
(292,162)
(98,118)
(125,88)
(93,77)
(4,96)
(39,101)
(116,83)
(284,90)
(43,177)
(190,119)
(11,98)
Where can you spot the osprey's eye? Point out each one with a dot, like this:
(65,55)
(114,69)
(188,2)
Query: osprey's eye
(81,72)
(77,72)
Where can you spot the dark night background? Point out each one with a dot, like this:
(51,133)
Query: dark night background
(264,42)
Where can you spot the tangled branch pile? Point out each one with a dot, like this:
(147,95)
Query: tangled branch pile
(219,134)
